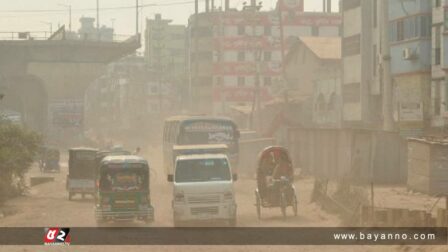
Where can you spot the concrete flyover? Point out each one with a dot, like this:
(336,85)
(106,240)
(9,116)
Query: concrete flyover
(34,74)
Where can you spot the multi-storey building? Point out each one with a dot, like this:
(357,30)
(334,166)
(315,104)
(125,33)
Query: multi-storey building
(235,54)
(410,51)
(165,49)
(439,74)
(361,91)
(313,64)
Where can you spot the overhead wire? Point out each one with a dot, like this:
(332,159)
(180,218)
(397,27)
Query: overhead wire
(102,9)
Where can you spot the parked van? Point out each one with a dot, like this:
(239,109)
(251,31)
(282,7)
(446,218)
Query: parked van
(203,189)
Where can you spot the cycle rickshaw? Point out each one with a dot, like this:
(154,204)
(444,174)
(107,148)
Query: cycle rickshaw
(275,176)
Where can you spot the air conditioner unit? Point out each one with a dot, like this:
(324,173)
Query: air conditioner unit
(409,54)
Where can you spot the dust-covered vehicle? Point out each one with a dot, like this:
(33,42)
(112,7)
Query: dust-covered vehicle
(182,150)
(49,160)
(199,130)
(275,177)
(122,190)
(203,190)
(81,171)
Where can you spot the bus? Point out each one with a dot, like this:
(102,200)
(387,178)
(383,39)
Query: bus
(199,130)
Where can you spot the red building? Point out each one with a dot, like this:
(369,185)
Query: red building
(232,52)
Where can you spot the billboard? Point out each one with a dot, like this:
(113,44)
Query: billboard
(66,113)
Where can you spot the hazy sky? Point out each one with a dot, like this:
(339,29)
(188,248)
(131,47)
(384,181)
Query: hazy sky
(35,15)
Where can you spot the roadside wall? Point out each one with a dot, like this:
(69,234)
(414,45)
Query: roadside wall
(248,157)
(331,153)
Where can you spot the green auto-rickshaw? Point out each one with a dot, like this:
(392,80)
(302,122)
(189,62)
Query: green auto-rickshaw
(122,190)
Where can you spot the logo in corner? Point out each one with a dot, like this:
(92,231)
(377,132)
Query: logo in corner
(57,236)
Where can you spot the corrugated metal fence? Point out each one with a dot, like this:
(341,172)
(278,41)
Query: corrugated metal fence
(360,155)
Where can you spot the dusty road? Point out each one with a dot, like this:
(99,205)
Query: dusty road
(48,205)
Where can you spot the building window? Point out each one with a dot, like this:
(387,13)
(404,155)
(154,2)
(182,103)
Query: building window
(400,30)
(425,23)
(291,15)
(437,56)
(437,3)
(241,81)
(154,90)
(218,81)
(241,56)
(218,56)
(437,97)
(445,21)
(410,27)
(375,58)
(315,31)
(320,103)
(241,30)
(351,45)
(267,56)
(446,95)
(267,30)
(437,50)
(267,81)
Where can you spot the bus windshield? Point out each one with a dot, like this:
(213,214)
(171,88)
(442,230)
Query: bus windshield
(207,132)
(202,170)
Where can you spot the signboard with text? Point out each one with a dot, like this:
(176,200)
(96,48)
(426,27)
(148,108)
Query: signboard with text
(239,94)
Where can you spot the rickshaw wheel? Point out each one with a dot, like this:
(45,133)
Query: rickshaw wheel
(258,204)
(283,204)
(294,204)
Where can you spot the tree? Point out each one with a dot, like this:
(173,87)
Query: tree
(18,148)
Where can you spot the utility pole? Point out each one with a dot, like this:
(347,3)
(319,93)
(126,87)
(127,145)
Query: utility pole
(70,18)
(98,18)
(195,53)
(136,17)
(69,6)
(388,121)
(256,106)
(158,37)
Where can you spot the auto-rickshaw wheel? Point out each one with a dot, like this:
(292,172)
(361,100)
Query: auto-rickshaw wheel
(70,196)
(283,204)
(294,204)
(83,196)
(258,204)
